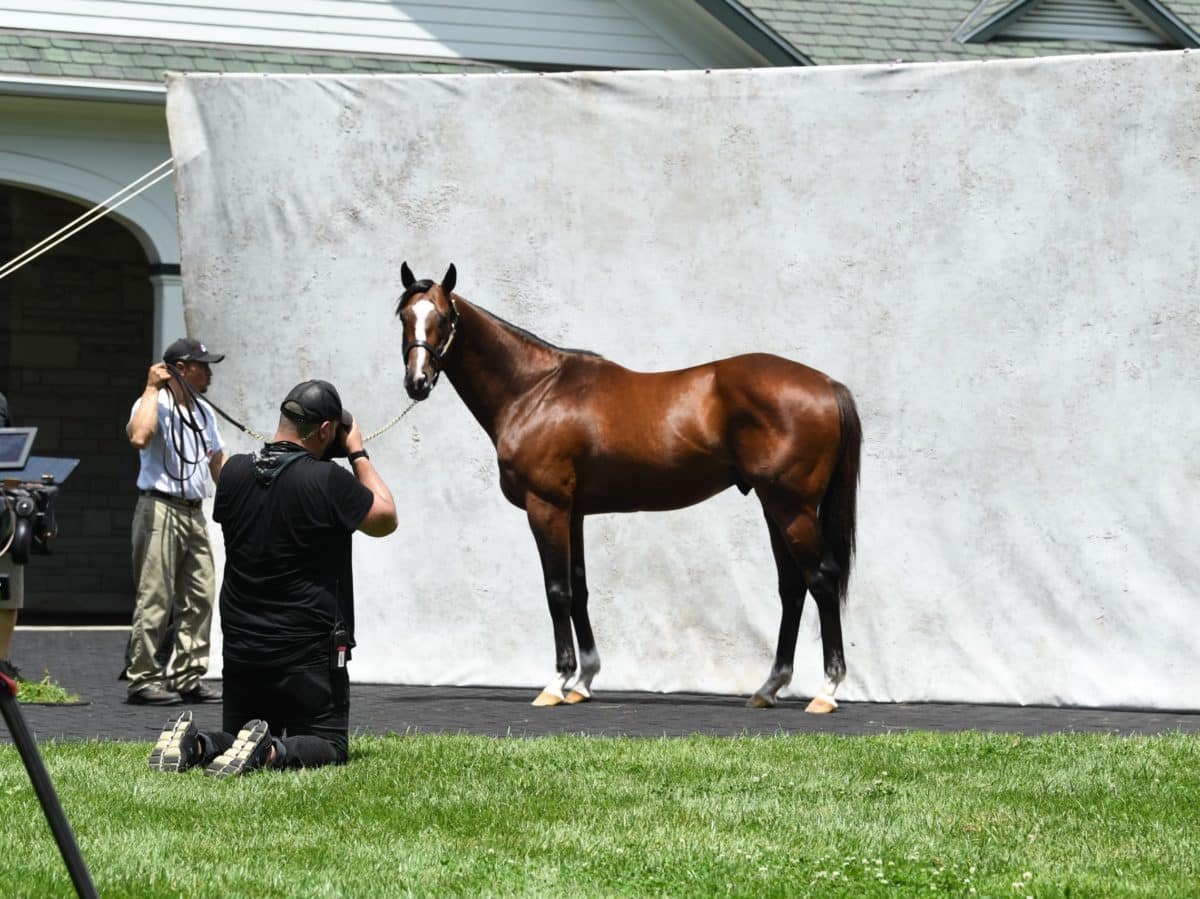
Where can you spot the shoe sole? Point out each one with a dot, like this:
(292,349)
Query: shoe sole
(167,754)
(134,699)
(236,759)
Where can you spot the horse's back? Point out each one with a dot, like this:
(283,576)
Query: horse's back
(706,395)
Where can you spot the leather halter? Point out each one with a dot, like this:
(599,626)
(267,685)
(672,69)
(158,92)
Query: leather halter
(436,352)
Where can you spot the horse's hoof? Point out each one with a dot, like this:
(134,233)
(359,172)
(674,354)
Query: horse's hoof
(575,697)
(546,698)
(758,701)
(822,705)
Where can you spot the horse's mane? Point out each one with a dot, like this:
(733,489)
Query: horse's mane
(425,284)
(529,335)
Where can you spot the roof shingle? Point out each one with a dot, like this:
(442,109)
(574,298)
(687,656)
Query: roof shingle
(139,61)
(918,31)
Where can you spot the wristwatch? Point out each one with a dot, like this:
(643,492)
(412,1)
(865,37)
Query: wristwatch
(357,454)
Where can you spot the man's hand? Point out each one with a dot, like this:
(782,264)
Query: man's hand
(351,440)
(380,519)
(144,422)
(158,377)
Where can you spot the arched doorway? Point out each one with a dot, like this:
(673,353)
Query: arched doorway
(76,331)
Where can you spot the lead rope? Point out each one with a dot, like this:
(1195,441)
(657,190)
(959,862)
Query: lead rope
(264,439)
(393,422)
(181,419)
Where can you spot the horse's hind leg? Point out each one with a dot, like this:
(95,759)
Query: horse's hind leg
(791,595)
(551,528)
(822,584)
(803,540)
(589,658)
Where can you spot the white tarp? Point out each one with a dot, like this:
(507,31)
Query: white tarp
(1000,259)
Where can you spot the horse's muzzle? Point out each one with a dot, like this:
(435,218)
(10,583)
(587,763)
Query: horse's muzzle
(418,388)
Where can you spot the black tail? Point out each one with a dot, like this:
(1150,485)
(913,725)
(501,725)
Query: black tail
(838,511)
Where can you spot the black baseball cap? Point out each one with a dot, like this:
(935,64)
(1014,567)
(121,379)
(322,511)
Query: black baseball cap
(315,401)
(187,350)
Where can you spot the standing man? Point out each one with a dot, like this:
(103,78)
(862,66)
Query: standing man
(12,584)
(181,454)
(287,598)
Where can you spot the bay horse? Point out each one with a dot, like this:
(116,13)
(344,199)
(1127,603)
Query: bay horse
(576,435)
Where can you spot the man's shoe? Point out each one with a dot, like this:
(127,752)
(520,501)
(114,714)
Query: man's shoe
(248,752)
(154,695)
(178,746)
(202,693)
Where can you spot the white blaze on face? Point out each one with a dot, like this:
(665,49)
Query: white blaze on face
(423,311)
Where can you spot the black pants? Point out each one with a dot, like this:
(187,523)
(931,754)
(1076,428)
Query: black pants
(307,709)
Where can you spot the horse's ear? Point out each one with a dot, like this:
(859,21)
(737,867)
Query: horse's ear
(448,281)
(406,275)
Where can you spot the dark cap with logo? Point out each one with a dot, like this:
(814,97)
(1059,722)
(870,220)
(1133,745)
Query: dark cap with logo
(187,350)
(315,401)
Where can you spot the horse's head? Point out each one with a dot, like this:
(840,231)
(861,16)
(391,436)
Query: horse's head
(429,316)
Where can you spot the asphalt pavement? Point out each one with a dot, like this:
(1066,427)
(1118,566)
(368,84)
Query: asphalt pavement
(86,661)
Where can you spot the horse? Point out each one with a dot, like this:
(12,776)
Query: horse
(577,435)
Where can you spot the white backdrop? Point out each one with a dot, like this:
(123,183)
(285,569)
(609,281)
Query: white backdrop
(1000,259)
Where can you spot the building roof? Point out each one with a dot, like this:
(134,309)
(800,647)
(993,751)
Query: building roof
(58,55)
(867,31)
(817,31)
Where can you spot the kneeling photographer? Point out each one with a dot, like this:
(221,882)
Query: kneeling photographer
(287,599)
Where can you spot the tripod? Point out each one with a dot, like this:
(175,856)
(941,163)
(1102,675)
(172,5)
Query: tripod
(42,785)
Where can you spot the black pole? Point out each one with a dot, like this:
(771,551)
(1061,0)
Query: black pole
(42,785)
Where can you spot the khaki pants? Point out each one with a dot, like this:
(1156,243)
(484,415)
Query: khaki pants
(173,571)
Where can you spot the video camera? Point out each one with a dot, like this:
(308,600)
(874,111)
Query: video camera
(29,491)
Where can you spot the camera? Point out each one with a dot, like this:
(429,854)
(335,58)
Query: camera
(27,521)
(337,449)
(28,494)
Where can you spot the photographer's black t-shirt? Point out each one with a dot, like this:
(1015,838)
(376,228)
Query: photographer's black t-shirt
(287,559)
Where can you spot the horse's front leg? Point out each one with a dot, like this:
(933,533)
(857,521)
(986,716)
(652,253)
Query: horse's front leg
(551,528)
(589,658)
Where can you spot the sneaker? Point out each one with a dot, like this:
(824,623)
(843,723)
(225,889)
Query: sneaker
(248,752)
(202,693)
(178,746)
(154,695)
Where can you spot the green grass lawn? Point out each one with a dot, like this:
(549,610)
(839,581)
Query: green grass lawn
(911,814)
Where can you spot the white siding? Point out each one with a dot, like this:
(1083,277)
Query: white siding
(605,33)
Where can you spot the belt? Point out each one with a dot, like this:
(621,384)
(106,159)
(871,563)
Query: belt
(171,498)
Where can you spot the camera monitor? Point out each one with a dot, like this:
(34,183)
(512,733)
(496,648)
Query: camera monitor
(15,444)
